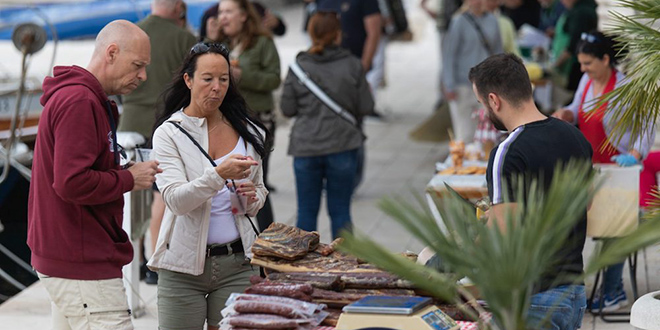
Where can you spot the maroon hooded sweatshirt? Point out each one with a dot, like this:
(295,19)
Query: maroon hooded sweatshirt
(75,209)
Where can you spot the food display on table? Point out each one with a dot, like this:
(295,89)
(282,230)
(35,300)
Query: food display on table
(468,170)
(300,268)
(285,242)
(457,152)
(249,311)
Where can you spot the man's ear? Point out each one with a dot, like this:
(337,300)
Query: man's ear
(494,101)
(112,53)
(180,10)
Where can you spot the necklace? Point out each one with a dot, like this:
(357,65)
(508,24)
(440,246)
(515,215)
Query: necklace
(217,124)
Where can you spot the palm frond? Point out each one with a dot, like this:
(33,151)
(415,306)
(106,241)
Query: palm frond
(647,234)
(504,264)
(635,106)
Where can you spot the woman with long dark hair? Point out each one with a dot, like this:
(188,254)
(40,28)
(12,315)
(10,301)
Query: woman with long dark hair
(210,149)
(598,57)
(255,66)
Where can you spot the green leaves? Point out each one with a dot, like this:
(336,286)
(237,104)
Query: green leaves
(505,264)
(636,105)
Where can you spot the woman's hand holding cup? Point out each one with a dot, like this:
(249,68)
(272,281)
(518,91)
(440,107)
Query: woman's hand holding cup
(236,167)
(246,188)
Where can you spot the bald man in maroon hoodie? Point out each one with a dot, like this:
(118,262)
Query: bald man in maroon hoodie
(75,209)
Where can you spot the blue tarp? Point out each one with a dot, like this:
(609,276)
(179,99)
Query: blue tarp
(84,19)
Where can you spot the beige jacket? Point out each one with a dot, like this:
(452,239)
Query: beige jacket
(188,184)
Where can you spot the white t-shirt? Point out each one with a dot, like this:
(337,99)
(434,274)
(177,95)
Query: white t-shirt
(222,228)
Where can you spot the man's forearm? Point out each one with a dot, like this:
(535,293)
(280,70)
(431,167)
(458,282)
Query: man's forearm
(373,26)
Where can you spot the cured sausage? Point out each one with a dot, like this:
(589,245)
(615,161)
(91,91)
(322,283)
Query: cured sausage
(296,291)
(262,321)
(263,307)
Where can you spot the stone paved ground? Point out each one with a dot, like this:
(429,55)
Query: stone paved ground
(396,165)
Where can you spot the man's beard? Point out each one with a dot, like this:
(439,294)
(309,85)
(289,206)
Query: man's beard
(497,123)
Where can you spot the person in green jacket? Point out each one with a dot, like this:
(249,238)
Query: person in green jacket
(256,67)
(580,17)
(170,43)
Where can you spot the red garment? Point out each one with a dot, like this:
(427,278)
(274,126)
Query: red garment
(591,125)
(648,179)
(75,208)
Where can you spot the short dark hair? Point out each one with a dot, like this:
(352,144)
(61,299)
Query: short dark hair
(598,45)
(504,75)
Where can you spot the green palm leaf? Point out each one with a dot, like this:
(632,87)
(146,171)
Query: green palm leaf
(505,265)
(636,105)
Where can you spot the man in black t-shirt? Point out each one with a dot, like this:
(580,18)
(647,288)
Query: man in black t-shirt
(535,145)
(361,26)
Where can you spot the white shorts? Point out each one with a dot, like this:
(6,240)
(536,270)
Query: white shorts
(95,304)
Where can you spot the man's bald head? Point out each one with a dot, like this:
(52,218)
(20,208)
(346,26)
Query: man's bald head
(121,54)
(120,32)
(168,9)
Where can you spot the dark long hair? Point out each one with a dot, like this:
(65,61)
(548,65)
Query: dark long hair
(233,107)
(596,44)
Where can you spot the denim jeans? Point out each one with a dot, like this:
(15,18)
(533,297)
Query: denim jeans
(337,173)
(613,279)
(560,308)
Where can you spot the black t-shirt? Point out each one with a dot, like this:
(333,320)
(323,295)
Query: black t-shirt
(533,150)
(352,14)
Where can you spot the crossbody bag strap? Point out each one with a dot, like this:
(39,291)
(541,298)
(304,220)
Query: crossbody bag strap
(321,95)
(206,154)
(476,25)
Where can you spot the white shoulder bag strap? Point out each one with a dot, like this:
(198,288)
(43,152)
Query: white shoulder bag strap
(316,90)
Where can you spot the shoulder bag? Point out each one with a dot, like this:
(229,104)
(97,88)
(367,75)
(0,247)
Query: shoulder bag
(484,41)
(322,96)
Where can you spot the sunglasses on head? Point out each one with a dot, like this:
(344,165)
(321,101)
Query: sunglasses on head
(205,47)
(590,38)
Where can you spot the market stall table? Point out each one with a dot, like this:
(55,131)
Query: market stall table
(469,186)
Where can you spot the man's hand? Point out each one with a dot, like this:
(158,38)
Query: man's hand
(269,20)
(144,174)
(565,115)
(236,167)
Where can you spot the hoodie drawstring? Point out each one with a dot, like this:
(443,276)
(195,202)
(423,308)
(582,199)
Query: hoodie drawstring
(113,127)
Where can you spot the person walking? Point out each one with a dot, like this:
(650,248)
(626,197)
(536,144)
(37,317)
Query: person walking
(361,26)
(256,68)
(210,149)
(76,200)
(579,17)
(169,45)
(323,143)
(597,58)
(209,26)
(507,29)
(472,37)
(535,145)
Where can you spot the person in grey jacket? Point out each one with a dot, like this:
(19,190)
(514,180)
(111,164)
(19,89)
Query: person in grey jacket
(323,144)
(472,36)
